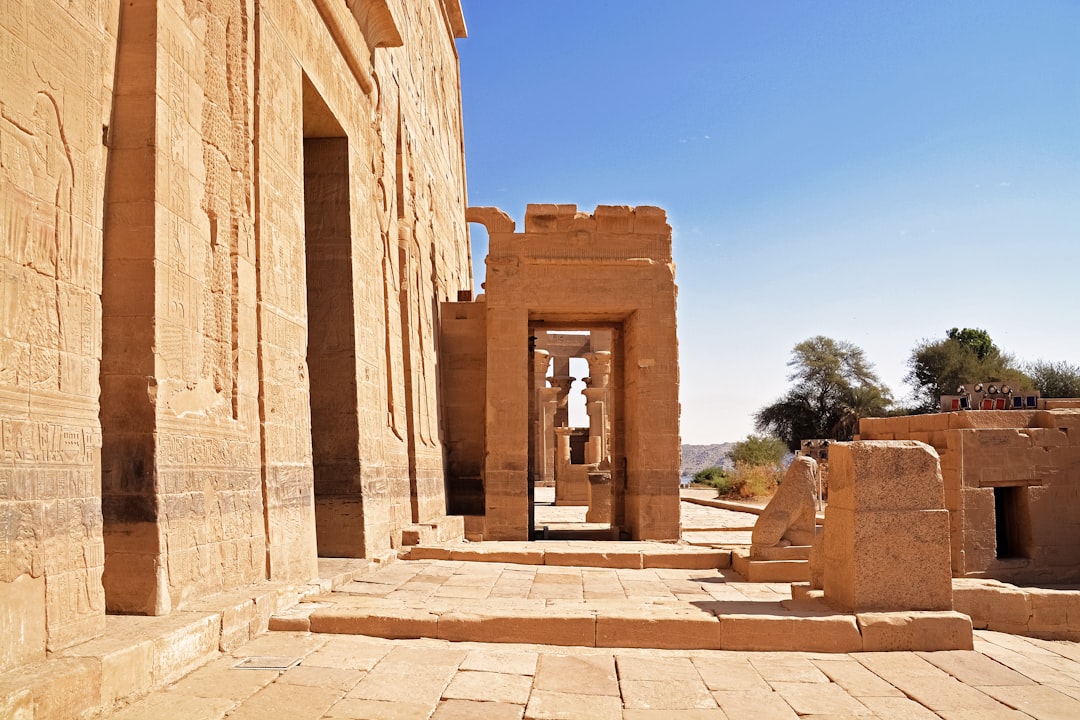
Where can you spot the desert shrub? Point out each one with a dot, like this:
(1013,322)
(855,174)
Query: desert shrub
(706,476)
(756,480)
(716,477)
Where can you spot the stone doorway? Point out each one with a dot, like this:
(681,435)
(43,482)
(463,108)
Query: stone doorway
(331,342)
(573,415)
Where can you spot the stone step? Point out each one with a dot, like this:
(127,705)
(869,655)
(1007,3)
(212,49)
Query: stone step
(135,655)
(447,529)
(632,555)
(769,570)
(138,654)
(794,627)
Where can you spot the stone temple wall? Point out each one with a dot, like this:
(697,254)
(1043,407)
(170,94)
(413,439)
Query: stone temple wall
(227,228)
(1011,481)
(55,91)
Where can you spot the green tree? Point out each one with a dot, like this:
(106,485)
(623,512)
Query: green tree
(1055,380)
(976,340)
(864,401)
(939,367)
(756,450)
(834,386)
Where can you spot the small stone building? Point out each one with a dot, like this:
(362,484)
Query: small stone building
(608,273)
(1012,487)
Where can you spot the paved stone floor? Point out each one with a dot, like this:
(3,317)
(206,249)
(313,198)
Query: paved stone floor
(341,676)
(701,525)
(423,583)
(358,677)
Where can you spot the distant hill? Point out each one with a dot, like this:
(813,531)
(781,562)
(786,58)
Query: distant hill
(699,457)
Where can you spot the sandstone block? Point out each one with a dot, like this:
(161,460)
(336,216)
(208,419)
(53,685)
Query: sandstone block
(183,641)
(800,590)
(779,571)
(554,626)
(783,552)
(883,561)
(880,476)
(547,705)
(126,663)
(66,687)
(927,631)
(696,559)
(521,555)
(657,629)
(475,710)
(1054,609)
(990,604)
(392,623)
(421,552)
(818,553)
(239,618)
(22,620)
(602,559)
(290,623)
(829,633)
(577,673)
(16,703)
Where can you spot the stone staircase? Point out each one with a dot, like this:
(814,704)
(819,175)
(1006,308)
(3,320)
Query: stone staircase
(139,654)
(487,592)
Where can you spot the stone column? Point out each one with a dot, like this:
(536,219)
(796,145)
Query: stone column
(596,398)
(560,366)
(541,360)
(562,461)
(599,497)
(547,399)
(541,444)
(562,383)
(596,448)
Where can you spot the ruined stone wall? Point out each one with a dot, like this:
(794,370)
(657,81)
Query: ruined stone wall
(1012,487)
(55,97)
(612,269)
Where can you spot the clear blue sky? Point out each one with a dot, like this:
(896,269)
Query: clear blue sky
(876,172)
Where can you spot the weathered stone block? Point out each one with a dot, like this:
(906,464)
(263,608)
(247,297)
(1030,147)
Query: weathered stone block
(22,621)
(609,559)
(882,476)
(991,604)
(832,633)
(657,629)
(393,623)
(696,559)
(925,631)
(882,561)
(562,626)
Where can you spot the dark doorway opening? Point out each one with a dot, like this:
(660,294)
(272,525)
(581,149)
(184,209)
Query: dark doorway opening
(1012,522)
(331,348)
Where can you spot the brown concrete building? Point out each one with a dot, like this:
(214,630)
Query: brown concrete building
(232,232)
